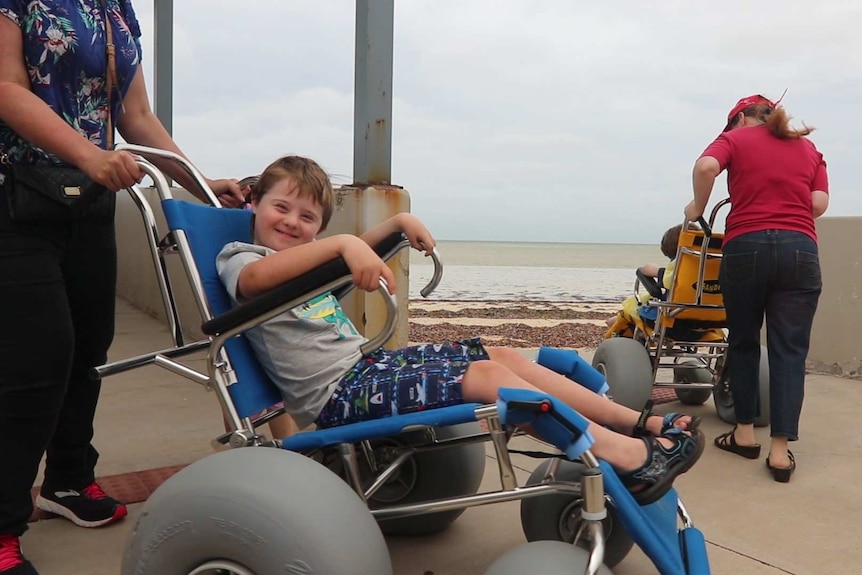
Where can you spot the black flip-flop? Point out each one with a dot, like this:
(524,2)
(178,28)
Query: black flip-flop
(727,442)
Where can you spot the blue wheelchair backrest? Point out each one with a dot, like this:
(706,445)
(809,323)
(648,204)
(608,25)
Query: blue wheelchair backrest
(208,230)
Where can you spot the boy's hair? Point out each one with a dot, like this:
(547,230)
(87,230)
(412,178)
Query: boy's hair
(670,239)
(309,177)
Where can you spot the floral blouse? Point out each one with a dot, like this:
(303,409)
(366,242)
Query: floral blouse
(64,53)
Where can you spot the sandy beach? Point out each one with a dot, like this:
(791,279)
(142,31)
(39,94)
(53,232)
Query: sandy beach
(511,323)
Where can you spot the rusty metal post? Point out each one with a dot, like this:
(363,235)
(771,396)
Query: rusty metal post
(372,120)
(372,199)
(163,68)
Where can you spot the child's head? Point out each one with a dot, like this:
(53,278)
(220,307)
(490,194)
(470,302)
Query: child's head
(670,239)
(293,202)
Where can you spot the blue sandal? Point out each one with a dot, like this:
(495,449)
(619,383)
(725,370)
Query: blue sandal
(667,422)
(655,477)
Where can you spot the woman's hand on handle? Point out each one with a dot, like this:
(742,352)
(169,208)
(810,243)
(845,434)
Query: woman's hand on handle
(228,192)
(116,170)
(692,212)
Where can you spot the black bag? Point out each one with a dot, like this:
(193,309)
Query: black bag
(41,193)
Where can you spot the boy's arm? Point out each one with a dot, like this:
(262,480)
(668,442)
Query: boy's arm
(419,236)
(650,270)
(273,270)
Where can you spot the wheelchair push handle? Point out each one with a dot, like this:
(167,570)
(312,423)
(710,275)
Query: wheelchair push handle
(436,276)
(705,225)
(153,155)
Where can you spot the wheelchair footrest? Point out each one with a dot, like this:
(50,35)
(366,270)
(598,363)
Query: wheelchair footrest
(550,418)
(384,427)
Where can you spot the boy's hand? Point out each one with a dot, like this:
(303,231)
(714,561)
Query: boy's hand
(366,266)
(418,235)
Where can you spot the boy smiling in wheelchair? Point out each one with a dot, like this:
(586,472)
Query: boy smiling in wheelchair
(312,352)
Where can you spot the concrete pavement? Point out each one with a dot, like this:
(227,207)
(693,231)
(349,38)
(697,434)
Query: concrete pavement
(150,418)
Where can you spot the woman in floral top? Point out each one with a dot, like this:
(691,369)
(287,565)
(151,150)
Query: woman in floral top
(57,280)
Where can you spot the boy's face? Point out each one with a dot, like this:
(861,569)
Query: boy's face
(283,219)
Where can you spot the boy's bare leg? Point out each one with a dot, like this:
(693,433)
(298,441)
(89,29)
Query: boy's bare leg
(484,378)
(592,406)
(282,426)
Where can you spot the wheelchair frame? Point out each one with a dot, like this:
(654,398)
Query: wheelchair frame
(705,354)
(592,488)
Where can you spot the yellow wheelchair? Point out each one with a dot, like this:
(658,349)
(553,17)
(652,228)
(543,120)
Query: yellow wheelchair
(683,329)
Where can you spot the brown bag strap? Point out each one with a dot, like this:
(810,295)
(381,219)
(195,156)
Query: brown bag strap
(111,75)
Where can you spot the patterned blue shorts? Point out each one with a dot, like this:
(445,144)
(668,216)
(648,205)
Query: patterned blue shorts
(391,382)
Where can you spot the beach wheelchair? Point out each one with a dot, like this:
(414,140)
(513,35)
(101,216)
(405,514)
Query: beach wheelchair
(683,329)
(319,501)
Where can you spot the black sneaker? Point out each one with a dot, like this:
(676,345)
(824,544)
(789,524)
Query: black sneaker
(91,507)
(11,560)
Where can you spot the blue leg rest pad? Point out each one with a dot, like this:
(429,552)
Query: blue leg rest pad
(694,551)
(654,527)
(384,427)
(550,418)
(567,362)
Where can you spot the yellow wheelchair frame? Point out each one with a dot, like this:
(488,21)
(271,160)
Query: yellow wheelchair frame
(688,335)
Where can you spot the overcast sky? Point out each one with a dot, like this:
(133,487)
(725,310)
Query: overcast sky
(519,120)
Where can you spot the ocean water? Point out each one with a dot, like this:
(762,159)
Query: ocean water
(522,271)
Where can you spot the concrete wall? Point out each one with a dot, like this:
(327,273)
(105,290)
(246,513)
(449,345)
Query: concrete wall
(834,350)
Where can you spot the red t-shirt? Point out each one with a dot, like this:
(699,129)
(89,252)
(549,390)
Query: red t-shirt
(769,180)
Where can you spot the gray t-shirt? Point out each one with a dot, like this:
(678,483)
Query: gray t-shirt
(305,351)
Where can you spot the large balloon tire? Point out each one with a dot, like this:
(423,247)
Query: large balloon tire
(683,375)
(545,557)
(557,517)
(627,368)
(724,400)
(255,511)
(437,474)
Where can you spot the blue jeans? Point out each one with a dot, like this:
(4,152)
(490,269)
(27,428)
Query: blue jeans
(776,272)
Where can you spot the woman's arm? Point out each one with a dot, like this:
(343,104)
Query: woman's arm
(706,169)
(139,125)
(819,203)
(36,122)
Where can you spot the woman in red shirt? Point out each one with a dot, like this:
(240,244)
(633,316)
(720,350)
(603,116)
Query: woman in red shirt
(778,185)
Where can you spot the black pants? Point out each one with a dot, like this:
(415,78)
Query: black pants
(57,290)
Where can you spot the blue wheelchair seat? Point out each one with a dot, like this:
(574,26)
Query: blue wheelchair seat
(208,230)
